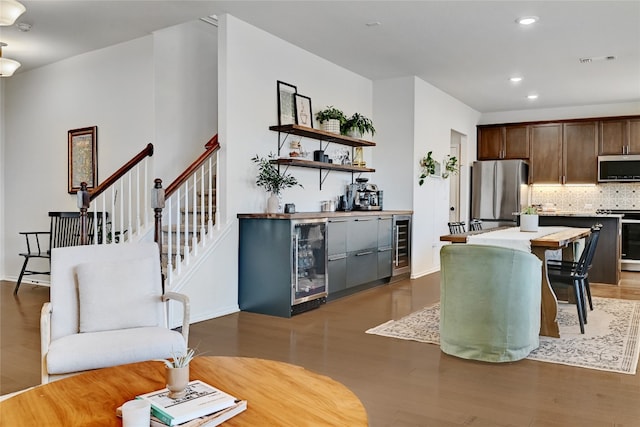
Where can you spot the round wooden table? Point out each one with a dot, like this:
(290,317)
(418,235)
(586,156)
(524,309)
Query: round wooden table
(278,394)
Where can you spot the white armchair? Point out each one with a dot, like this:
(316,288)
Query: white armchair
(107,309)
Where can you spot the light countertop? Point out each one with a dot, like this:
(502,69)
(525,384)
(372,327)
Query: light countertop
(580,214)
(337,214)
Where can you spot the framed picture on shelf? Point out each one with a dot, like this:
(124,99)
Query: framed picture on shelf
(286,103)
(303,111)
(83,158)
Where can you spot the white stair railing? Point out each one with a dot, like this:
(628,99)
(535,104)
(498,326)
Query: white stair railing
(122,201)
(188,213)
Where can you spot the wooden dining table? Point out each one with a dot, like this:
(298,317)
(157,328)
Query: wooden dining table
(277,394)
(558,238)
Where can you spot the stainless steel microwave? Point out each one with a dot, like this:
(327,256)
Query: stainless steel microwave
(624,168)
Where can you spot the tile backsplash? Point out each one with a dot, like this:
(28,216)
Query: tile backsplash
(578,198)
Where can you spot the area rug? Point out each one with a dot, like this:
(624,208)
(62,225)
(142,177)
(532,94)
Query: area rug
(610,342)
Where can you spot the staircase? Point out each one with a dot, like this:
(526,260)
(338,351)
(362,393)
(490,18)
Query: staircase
(182,219)
(192,228)
(186,215)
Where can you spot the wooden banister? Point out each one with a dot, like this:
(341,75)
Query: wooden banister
(148,151)
(210,147)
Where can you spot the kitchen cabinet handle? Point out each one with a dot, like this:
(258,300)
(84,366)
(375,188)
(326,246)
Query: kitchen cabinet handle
(364,253)
(397,233)
(337,257)
(364,219)
(295,256)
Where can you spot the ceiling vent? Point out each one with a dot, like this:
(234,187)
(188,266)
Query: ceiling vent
(596,58)
(211,20)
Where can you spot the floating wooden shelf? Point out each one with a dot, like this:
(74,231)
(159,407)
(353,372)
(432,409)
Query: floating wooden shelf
(321,165)
(322,135)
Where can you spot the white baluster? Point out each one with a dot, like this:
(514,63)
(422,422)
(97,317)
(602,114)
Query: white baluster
(210,193)
(217,186)
(169,240)
(178,232)
(186,223)
(146,193)
(194,216)
(129,206)
(121,222)
(203,212)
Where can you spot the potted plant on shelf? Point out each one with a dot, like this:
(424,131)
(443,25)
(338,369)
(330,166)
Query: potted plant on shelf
(529,219)
(451,166)
(331,119)
(358,125)
(430,167)
(177,373)
(270,178)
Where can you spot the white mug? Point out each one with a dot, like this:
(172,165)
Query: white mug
(136,413)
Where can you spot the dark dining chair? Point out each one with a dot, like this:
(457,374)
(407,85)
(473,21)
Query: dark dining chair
(64,230)
(475,225)
(576,274)
(456,227)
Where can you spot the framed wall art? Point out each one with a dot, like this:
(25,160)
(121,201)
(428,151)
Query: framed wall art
(286,103)
(303,111)
(83,158)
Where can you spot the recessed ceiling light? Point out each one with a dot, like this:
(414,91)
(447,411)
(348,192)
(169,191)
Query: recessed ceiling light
(532,96)
(527,20)
(515,79)
(373,23)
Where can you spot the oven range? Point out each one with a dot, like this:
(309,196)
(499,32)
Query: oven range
(630,239)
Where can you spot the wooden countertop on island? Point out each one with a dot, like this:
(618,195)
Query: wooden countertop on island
(336,214)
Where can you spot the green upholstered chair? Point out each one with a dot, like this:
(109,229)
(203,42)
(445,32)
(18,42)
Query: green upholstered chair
(490,302)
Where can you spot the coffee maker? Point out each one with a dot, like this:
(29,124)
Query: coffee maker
(364,196)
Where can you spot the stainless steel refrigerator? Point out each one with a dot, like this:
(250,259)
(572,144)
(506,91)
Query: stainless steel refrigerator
(499,190)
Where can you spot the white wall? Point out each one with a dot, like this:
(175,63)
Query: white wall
(185,94)
(394,109)
(3,180)
(436,114)
(543,114)
(254,61)
(416,118)
(86,90)
(149,99)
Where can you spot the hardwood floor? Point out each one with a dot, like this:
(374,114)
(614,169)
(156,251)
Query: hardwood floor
(401,383)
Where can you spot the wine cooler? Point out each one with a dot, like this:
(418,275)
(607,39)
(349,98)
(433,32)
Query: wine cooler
(282,265)
(401,246)
(309,261)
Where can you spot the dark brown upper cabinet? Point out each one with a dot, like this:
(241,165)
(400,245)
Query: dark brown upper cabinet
(503,142)
(619,136)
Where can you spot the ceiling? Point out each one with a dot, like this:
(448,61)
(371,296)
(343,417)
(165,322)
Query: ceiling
(468,49)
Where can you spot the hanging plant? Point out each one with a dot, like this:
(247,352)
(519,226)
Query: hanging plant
(451,166)
(429,167)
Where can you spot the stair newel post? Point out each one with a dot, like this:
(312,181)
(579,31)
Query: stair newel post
(157,204)
(83,205)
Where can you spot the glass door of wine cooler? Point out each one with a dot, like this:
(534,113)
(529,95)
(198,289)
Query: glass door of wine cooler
(308,275)
(401,245)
